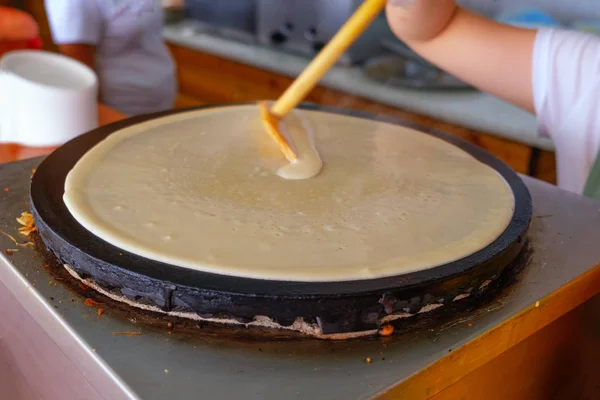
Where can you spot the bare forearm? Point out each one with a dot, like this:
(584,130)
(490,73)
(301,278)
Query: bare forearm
(81,52)
(493,57)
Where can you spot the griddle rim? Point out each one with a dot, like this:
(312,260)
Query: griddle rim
(68,239)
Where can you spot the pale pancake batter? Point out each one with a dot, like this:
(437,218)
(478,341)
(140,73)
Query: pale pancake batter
(309,163)
(201,190)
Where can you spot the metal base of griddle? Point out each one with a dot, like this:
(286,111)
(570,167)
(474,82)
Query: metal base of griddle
(336,307)
(563,235)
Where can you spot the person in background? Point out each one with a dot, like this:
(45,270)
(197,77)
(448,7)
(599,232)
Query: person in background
(18,30)
(122,41)
(551,72)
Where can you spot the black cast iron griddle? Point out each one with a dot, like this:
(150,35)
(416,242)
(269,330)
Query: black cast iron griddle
(337,307)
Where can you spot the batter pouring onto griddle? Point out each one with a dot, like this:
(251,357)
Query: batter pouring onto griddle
(308,163)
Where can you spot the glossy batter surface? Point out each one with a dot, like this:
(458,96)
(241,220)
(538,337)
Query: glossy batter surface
(201,190)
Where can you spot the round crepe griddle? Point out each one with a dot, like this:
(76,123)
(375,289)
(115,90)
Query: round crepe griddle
(336,307)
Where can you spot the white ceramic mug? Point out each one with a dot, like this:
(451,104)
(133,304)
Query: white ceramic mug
(46,99)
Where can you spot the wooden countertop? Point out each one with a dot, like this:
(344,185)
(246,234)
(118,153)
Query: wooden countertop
(13,152)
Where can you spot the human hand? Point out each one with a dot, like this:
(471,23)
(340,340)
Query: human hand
(419,20)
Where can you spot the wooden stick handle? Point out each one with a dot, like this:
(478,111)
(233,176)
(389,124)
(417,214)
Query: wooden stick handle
(319,66)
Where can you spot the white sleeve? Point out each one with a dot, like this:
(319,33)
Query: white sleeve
(566,94)
(74,21)
(566,65)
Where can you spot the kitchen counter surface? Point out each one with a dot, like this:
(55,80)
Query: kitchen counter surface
(471,109)
(562,273)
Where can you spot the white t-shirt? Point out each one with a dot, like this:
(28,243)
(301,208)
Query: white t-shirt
(566,92)
(135,69)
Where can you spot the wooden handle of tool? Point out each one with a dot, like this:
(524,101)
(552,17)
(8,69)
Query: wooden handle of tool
(319,66)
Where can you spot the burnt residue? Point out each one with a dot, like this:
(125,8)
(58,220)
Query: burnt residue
(481,301)
(335,306)
(333,314)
